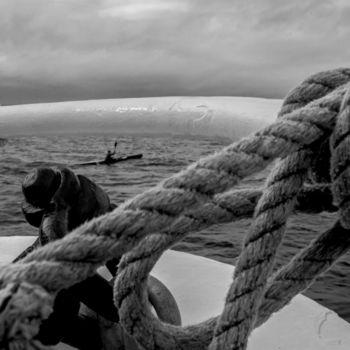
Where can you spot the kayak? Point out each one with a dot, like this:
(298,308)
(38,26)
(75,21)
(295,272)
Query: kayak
(112,161)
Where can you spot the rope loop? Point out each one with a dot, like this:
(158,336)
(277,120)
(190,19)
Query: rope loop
(203,194)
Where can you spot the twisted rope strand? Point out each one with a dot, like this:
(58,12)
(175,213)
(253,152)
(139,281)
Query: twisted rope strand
(286,283)
(143,261)
(257,257)
(316,86)
(236,332)
(127,291)
(340,162)
(302,270)
(122,296)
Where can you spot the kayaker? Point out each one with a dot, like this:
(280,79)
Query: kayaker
(109,157)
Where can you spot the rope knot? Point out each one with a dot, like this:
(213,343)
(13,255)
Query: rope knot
(23,306)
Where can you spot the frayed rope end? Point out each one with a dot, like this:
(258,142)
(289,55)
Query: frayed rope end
(22,309)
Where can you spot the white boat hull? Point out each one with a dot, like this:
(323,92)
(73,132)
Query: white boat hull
(199,286)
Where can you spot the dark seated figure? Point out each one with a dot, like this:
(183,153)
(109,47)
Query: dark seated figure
(57,201)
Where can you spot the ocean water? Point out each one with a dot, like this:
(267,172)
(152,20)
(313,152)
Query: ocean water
(163,156)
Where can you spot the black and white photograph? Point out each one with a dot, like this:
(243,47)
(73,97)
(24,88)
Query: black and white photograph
(174,174)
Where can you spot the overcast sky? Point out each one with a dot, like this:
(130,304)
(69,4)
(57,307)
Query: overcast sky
(83,49)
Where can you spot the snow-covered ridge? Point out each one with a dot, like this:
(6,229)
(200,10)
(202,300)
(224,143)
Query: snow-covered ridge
(232,117)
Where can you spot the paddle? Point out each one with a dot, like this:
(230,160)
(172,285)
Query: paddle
(115,145)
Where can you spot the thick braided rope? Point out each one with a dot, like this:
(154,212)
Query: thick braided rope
(128,226)
(336,240)
(256,260)
(145,259)
(340,162)
(282,287)
(137,264)
(225,343)
(314,87)
(228,342)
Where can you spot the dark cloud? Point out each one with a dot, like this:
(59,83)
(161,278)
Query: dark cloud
(58,50)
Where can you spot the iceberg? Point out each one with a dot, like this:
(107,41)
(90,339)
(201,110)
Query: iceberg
(231,117)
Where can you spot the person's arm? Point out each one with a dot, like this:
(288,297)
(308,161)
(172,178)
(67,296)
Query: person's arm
(115,147)
(32,247)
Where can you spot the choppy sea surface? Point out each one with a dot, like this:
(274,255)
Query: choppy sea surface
(163,156)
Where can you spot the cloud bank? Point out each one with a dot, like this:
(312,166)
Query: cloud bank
(83,49)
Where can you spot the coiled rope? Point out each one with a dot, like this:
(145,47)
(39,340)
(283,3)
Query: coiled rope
(193,199)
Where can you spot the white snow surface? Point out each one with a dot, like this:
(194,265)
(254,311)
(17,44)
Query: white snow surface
(231,117)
